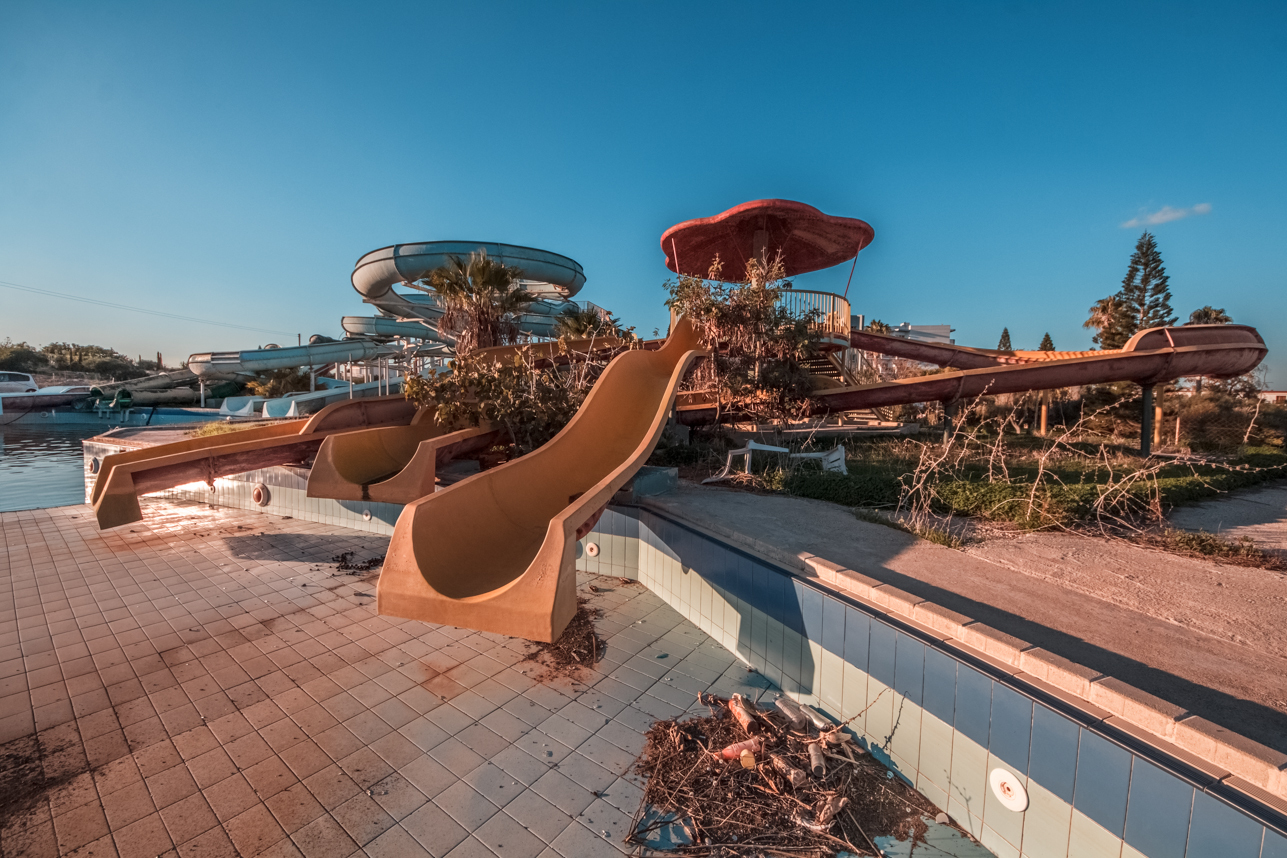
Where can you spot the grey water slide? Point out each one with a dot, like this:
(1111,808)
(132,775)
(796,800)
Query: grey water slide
(551,277)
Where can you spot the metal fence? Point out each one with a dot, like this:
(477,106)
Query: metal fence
(830,312)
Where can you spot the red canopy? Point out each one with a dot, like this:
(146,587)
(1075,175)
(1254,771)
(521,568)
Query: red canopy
(809,240)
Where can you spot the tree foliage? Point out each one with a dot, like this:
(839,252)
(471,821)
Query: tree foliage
(1146,289)
(21,357)
(578,323)
(1003,345)
(1143,302)
(481,300)
(1209,315)
(530,404)
(1047,344)
(279,382)
(759,344)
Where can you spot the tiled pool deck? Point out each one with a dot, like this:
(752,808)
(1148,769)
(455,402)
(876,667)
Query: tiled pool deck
(208,687)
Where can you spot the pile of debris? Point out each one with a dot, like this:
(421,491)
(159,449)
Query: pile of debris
(579,646)
(786,781)
(346,566)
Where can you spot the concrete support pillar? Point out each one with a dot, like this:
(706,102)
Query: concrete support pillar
(1147,421)
(1045,411)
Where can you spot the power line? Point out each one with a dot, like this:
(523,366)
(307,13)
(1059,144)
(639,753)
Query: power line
(19,287)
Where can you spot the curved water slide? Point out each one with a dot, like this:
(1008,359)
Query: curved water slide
(496,551)
(551,277)
(230,365)
(1150,357)
(122,477)
(391,464)
(385,328)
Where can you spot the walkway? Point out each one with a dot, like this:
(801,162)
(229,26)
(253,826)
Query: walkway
(1206,637)
(204,684)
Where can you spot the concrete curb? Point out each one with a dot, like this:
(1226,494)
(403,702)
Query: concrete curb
(1244,764)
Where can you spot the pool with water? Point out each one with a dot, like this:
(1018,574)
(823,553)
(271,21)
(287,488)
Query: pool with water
(42,466)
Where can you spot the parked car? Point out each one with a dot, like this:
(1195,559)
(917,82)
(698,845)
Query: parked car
(17,382)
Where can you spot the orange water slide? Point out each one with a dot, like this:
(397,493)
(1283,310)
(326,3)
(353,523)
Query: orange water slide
(496,551)
(1150,357)
(122,477)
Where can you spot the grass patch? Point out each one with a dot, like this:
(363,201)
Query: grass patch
(937,535)
(1066,491)
(220,427)
(1200,543)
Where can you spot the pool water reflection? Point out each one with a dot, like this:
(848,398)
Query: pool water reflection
(42,466)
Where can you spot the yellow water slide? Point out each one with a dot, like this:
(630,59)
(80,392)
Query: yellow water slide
(391,464)
(496,551)
(399,464)
(122,477)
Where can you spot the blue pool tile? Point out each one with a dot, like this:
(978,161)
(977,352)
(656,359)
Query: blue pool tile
(759,595)
(741,582)
(1011,727)
(909,668)
(857,638)
(833,626)
(940,685)
(793,605)
(712,560)
(973,704)
(1052,761)
(1219,831)
(1275,845)
(1103,778)
(811,612)
(881,657)
(1157,815)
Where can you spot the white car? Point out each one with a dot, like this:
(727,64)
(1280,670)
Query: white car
(17,382)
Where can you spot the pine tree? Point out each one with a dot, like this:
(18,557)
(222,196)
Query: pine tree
(1047,344)
(1146,290)
(1004,345)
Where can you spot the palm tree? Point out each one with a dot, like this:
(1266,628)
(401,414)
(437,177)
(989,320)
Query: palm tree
(579,323)
(1209,315)
(480,299)
(1105,319)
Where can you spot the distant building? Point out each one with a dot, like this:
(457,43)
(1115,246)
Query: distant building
(925,333)
(885,364)
(1278,397)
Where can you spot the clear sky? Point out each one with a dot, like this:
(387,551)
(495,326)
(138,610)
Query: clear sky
(232,160)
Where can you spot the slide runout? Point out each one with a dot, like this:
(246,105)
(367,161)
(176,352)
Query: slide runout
(1150,357)
(124,476)
(496,552)
(391,464)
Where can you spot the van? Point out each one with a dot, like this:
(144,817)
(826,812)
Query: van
(17,382)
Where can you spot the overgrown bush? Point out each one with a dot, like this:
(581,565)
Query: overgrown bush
(279,382)
(530,404)
(21,357)
(759,345)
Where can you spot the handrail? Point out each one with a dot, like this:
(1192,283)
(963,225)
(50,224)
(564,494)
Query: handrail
(832,311)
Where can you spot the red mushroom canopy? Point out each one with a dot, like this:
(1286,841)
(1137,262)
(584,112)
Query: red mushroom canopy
(809,240)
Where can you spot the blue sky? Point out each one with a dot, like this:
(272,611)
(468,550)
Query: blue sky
(231,161)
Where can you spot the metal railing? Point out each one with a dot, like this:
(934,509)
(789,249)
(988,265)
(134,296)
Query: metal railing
(830,312)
